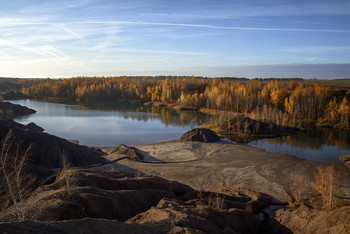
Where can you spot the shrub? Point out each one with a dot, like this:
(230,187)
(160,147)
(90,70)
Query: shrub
(16,184)
(344,158)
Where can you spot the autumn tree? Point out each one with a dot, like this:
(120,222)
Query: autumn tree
(275,101)
(344,112)
(326,185)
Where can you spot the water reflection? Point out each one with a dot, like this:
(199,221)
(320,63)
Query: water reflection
(315,139)
(314,144)
(140,112)
(110,124)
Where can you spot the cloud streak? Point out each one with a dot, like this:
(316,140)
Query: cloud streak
(46,50)
(160,51)
(72,32)
(139,23)
(319,49)
(7,56)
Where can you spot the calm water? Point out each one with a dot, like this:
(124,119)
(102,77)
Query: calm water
(98,124)
(314,144)
(107,124)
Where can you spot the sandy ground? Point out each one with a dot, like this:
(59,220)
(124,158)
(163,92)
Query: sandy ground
(225,166)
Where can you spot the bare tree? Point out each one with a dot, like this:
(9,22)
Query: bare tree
(67,174)
(16,183)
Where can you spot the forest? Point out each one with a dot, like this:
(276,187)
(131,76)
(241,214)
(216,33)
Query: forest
(291,102)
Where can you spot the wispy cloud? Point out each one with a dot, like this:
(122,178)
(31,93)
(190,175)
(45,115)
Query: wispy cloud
(160,51)
(234,10)
(7,56)
(189,25)
(317,49)
(94,35)
(46,50)
(313,59)
(71,32)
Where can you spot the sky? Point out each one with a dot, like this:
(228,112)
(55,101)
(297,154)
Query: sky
(211,38)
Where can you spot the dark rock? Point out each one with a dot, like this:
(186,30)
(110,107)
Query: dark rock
(101,194)
(131,152)
(200,134)
(34,127)
(77,226)
(10,110)
(47,149)
(195,219)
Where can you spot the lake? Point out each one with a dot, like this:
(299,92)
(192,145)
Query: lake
(313,144)
(111,124)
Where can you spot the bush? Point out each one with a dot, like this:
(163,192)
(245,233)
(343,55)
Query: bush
(16,184)
(344,158)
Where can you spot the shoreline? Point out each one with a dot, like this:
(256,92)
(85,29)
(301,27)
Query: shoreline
(179,107)
(323,158)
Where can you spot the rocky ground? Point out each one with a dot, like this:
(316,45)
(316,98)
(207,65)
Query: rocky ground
(225,166)
(196,184)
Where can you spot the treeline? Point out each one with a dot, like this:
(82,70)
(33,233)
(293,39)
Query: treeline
(8,84)
(284,103)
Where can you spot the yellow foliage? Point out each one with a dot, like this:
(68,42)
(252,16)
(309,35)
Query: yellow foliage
(326,185)
(289,104)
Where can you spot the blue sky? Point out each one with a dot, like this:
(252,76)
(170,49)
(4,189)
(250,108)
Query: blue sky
(194,37)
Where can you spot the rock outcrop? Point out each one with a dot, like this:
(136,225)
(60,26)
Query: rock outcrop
(99,194)
(34,127)
(307,220)
(155,204)
(47,149)
(174,216)
(200,134)
(129,151)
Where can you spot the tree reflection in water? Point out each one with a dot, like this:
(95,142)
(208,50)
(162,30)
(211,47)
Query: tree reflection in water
(140,112)
(315,138)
